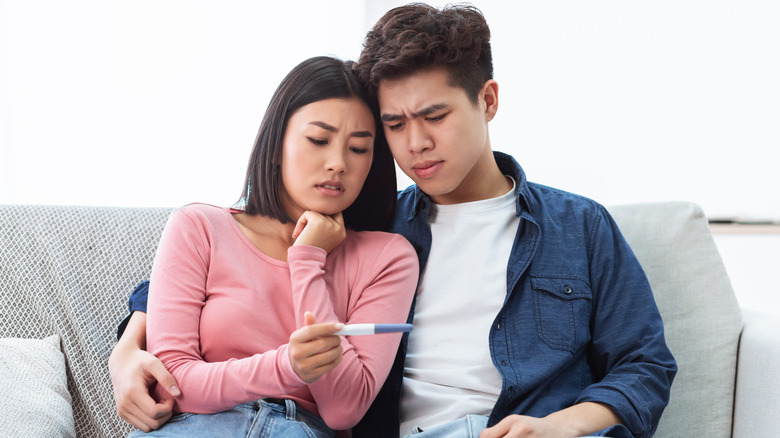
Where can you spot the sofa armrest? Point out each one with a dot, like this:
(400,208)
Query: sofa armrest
(757,397)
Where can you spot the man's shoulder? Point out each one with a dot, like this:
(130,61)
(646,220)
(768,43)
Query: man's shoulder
(406,200)
(546,200)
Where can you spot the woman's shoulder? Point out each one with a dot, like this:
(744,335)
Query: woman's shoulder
(202,214)
(201,209)
(376,242)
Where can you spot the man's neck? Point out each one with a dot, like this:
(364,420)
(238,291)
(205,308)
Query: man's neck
(485,181)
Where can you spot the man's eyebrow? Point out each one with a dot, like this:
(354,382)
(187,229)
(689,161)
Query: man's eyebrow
(423,112)
(327,127)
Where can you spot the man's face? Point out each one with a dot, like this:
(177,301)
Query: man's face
(437,135)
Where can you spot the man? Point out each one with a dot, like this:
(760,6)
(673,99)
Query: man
(532,316)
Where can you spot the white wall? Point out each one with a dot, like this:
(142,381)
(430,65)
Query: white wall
(156,102)
(147,102)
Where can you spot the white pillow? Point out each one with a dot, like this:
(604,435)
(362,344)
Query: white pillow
(35,401)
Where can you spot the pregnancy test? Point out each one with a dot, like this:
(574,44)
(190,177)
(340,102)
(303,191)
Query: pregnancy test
(372,329)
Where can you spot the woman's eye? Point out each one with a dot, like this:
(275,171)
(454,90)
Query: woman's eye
(358,150)
(317,141)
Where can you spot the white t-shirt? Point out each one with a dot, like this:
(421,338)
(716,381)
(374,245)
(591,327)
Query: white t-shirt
(448,371)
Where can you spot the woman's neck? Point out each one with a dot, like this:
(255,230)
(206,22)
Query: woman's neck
(268,235)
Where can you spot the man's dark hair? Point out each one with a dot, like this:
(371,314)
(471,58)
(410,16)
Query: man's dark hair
(417,36)
(313,80)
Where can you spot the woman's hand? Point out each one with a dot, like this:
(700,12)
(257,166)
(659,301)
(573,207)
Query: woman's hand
(314,349)
(315,229)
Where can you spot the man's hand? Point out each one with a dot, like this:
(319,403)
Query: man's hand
(578,420)
(314,349)
(132,371)
(315,229)
(516,426)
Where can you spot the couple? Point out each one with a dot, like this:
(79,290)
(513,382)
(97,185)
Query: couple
(532,317)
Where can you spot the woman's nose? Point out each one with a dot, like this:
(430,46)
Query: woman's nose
(336,162)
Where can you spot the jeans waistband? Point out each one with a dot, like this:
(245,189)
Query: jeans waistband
(293,412)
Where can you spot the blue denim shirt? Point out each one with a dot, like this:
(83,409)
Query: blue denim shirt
(579,322)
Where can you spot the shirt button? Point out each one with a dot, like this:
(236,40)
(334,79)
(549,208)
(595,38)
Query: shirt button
(503,362)
(498,326)
(567,289)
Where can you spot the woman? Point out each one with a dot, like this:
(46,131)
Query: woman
(244,302)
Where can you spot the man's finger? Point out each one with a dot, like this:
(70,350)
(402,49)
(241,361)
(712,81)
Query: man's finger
(135,421)
(164,379)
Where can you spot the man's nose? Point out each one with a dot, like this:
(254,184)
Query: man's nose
(418,139)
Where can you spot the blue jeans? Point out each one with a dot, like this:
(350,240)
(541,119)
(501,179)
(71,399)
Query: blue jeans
(469,426)
(263,418)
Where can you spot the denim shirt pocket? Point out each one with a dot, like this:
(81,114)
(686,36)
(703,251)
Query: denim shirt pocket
(562,308)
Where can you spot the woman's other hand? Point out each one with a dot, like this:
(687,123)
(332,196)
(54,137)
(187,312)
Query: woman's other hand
(319,230)
(314,349)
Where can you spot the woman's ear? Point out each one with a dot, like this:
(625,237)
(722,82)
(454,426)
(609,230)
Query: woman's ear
(489,94)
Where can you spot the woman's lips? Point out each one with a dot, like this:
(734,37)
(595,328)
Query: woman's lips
(330,188)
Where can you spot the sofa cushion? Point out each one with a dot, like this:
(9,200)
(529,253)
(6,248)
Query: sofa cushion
(35,401)
(702,318)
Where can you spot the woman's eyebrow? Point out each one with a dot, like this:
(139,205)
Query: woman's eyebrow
(327,127)
(324,126)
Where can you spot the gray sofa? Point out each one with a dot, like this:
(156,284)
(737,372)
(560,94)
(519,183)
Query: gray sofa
(66,273)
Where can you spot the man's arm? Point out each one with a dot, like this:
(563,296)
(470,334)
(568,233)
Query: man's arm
(578,420)
(132,371)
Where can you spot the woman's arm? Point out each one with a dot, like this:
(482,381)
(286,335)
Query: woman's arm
(382,294)
(177,296)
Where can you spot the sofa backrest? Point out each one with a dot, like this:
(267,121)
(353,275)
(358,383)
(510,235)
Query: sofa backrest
(69,271)
(702,318)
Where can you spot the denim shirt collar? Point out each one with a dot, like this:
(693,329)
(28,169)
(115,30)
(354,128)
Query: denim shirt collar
(507,165)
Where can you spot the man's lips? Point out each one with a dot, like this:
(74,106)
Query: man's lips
(426,169)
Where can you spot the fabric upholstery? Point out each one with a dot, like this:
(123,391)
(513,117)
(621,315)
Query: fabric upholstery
(758,382)
(35,401)
(68,271)
(701,315)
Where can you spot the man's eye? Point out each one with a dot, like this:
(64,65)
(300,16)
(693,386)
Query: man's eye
(317,141)
(436,119)
(395,127)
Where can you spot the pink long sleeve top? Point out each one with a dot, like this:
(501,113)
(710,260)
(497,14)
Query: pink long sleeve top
(221,312)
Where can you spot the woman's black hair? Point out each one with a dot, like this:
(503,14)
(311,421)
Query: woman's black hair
(313,80)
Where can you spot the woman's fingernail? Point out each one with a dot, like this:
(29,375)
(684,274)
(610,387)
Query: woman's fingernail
(339,325)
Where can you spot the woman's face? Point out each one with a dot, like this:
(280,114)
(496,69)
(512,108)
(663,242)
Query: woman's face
(327,153)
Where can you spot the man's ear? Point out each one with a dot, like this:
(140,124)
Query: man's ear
(489,94)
